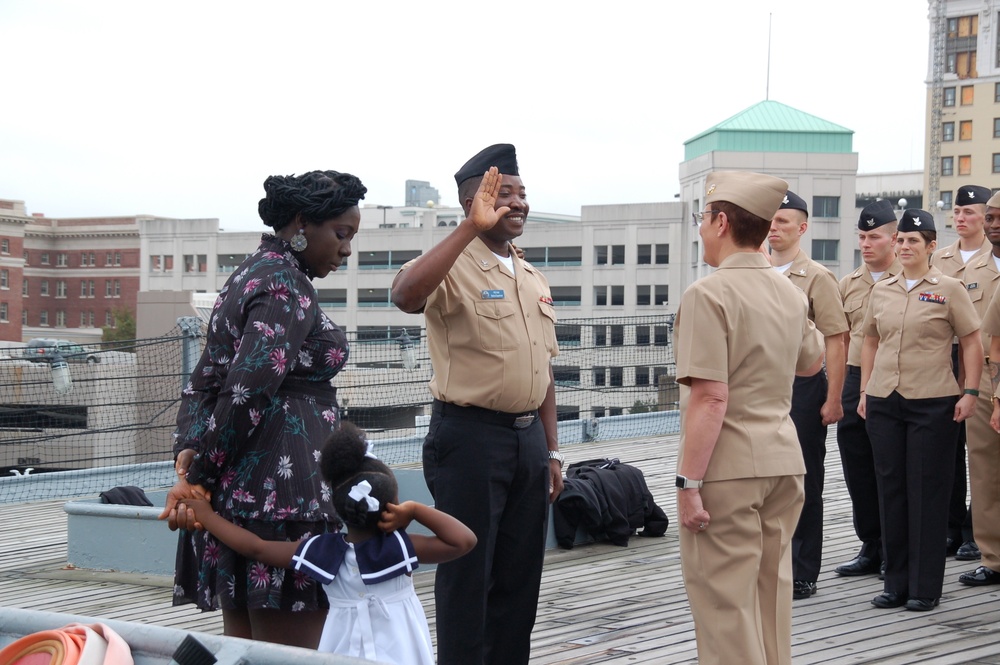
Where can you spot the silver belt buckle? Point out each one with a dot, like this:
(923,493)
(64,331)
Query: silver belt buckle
(523,421)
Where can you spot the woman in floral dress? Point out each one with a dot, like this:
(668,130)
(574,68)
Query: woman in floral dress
(257,410)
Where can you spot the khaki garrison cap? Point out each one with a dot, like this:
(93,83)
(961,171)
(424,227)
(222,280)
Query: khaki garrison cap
(756,193)
(994,201)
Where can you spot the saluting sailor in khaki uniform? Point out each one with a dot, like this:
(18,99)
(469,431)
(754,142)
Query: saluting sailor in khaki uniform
(816,400)
(913,406)
(491,456)
(982,278)
(741,333)
(972,243)
(876,239)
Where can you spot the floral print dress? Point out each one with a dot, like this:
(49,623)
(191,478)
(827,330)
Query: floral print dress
(258,409)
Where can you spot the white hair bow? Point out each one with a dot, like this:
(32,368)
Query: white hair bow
(370,450)
(363,491)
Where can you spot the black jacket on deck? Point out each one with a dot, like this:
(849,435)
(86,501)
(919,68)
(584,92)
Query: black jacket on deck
(608,499)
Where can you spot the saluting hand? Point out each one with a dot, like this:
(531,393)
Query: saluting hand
(482,214)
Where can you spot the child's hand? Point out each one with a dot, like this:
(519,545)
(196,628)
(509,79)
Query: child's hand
(196,510)
(397,516)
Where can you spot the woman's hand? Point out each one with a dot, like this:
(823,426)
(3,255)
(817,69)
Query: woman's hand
(692,513)
(965,408)
(182,490)
(995,418)
(863,405)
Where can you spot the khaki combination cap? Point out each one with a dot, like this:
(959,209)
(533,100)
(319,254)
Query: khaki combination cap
(756,193)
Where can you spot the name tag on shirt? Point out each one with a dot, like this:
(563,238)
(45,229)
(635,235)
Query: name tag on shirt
(933,297)
(974,285)
(493,294)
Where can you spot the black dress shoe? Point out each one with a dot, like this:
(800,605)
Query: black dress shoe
(969,551)
(859,565)
(889,600)
(981,576)
(921,604)
(802,589)
(951,546)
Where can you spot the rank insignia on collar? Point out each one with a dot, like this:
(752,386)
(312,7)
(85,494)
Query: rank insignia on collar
(486,264)
(933,297)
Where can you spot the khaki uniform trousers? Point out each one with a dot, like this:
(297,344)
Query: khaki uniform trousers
(738,572)
(984,476)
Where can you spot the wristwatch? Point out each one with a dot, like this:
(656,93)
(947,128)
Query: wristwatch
(557,456)
(688,484)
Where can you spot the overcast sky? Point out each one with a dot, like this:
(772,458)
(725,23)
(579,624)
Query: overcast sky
(181,109)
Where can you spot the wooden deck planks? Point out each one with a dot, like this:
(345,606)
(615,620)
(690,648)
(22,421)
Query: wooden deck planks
(599,603)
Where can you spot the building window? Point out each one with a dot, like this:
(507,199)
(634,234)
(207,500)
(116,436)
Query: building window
(965,130)
(93,259)
(968,95)
(5,246)
(43,318)
(965,165)
(662,254)
(3,312)
(826,206)
(695,254)
(83,319)
(661,335)
(947,131)
(642,376)
(118,259)
(996,162)
(83,259)
(4,279)
(661,294)
(949,96)
(107,318)
(824,250)
(24,317)
(617,255)
(45,287)
(946,200)
(107,288)
(996,128)
(60,288)
(83,288)
(600,335)
(374,298)
(565,296)
(616,377)
(644,255)
(45,258)
(617,335)
(600,376)
(600,296)
(601,256)
(107,259)
(947,166)
(617,296)
(90,319)
(61,319)
(61,260)
(118,288)
(90,287)
(24,287)
(566,375)
(642,294)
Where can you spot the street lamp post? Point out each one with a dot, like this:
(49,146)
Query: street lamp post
(383,209)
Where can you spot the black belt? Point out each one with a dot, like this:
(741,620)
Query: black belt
(502,418)
(854,369)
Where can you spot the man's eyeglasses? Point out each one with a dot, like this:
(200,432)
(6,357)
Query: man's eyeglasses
(699,217)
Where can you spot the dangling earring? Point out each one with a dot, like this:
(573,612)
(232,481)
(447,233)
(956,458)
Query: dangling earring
(299,242)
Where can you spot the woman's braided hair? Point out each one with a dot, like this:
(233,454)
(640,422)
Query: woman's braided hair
(314,197)
(344,465)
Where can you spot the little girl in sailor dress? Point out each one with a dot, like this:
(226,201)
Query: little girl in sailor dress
(374,610)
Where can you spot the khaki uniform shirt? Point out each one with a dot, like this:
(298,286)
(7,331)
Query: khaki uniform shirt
(826,309)
(490,334)
(747,326)
(855,290)
(915,329)
(949,259)
(981,280)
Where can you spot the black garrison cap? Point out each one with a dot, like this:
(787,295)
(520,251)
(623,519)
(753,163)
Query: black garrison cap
(793,201)
(972,194)
(500,155)
(914,219)
(875,215)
